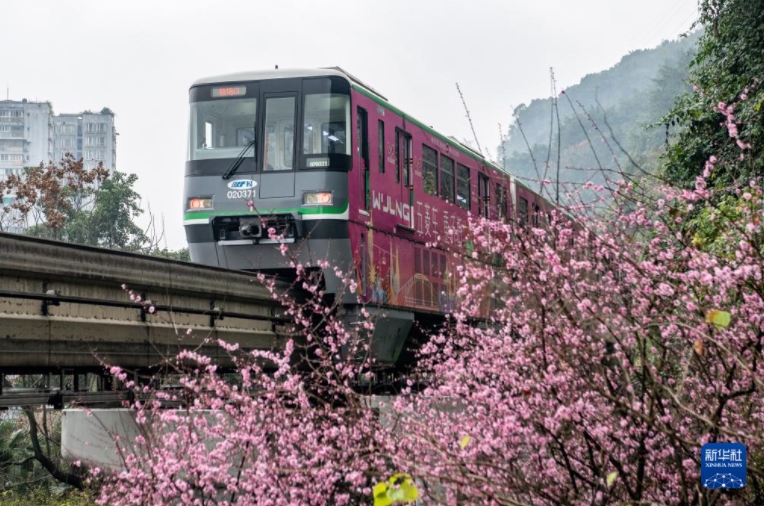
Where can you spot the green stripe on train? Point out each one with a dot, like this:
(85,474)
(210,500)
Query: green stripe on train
(300,210)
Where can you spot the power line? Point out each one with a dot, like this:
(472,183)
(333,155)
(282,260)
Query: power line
(684,23)
(469,119)
(655,28)
(671,15)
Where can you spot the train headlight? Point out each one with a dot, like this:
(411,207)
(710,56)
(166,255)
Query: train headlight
(199,204)
(317,198)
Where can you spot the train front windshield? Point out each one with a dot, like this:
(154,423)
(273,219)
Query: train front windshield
(227,122)
(222,129)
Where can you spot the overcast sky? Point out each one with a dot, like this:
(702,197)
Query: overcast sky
(139,58)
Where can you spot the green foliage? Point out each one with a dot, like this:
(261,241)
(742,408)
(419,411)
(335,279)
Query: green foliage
(13,445)
(727,68)
(180,254)
(116,205)
(398,489)
(41,497)
(717,228)
(19,471)
(22,475)
(94,207)
(108,219)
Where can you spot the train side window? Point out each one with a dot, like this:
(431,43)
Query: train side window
(447,178)
(404,157)
(409,161)
(522,211)
(363,152)
(536,214)
(363,136)
(501,201)
(429,170)
(484,194)
(326,128)
(463,187)
(398,155)
(381,145)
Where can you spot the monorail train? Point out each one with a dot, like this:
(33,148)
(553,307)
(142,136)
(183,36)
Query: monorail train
(342,175)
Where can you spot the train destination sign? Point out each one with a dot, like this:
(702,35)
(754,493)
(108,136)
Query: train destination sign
(229,91)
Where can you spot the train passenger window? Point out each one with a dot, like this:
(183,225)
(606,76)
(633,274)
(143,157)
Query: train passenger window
(381,145)
(463,187)
(484,192)
(362,120)
(398,154)
(363,136)
(222,129)
(522,211)
(447,179)
(501,201)
(327,116)
(279,133)
(403,152)
(536,214)
(429,170)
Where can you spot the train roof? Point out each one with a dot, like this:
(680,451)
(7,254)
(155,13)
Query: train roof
(359,86)
(259,75)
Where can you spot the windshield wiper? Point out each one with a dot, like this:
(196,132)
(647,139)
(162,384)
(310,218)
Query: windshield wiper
(239,159)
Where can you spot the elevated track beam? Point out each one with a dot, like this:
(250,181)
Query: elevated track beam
(63,306)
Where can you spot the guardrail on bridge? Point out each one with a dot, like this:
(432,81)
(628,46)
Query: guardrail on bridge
(62,306)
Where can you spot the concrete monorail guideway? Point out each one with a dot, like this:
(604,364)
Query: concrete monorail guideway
(63,308)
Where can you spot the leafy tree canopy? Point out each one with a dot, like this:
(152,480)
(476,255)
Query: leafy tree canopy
(67,202)
(726,74)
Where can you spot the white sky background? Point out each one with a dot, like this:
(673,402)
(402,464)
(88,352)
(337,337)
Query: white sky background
(139,57)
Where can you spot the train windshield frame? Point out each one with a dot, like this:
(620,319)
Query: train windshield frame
(221,129)
(225,117)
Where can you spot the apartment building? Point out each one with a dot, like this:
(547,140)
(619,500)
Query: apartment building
(30,133)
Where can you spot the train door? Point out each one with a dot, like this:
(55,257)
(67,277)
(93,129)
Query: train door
(278,126)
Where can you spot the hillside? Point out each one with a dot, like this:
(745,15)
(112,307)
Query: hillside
(632,95)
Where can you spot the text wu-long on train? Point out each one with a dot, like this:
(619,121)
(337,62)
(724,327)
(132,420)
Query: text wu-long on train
(341,175)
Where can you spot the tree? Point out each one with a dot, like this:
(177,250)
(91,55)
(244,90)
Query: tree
(14,463)
(51,195)
(110,223)
(726,73)
(181,254)
(29,455)
(94,207)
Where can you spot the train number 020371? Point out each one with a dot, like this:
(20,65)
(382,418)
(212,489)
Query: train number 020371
(239,194)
